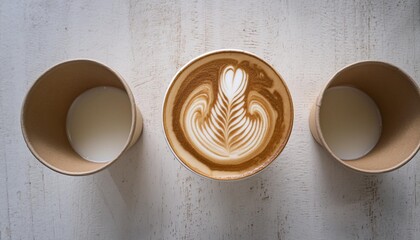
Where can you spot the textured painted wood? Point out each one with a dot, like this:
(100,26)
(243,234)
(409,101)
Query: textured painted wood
(147,194)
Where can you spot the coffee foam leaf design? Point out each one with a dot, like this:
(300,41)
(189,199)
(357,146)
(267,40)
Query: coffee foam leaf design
(230,129)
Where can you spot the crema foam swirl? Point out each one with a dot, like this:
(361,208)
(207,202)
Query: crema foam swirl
(229,126)
(227,115)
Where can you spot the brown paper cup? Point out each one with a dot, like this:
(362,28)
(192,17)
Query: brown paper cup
(45,109)
(199,163)
(398,99)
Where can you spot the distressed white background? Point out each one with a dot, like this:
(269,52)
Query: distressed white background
(147,194)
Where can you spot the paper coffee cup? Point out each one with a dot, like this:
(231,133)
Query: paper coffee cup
(45,108)
(397,97)
(227,115)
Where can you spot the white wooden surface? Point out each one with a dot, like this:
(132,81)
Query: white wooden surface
(147,194)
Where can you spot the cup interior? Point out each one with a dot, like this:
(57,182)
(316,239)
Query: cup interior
(177,139)
(45,108)
(398,99)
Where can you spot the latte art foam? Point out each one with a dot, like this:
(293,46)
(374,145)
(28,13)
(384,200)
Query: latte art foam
(231,130)
(227,115)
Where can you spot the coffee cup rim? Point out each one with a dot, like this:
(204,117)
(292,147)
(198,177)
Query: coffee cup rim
(103,165)
(318,104)
(281,147)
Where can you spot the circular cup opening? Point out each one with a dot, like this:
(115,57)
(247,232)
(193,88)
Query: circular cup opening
(190,153)
(45,108)
(398,99)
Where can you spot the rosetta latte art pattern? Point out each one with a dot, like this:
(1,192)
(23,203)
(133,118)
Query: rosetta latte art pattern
(231,128)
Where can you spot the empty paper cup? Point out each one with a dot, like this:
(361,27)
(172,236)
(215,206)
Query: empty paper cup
(45,111)
(380,119)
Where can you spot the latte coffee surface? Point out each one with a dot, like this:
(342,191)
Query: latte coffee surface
(227,115)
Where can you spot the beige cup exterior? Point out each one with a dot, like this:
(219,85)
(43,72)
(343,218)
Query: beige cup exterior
(398,99)
(45,107)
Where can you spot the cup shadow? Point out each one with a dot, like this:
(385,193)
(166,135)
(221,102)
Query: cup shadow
(248,200)
(112,190)
(118,186)
(353,195)
(125,171)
